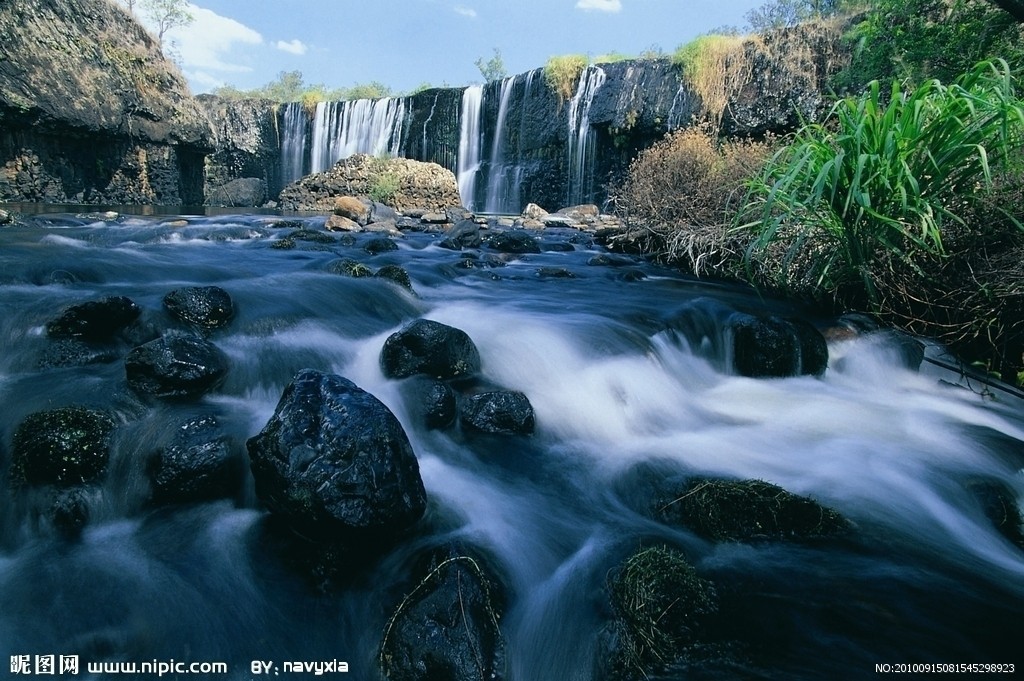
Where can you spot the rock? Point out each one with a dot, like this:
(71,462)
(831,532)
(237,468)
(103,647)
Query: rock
(433,401)
(431,348)
(416,213)
(204,307)
(498,412)
(434,218)
(380,212)
(349,268)
(446,627)
(313,236)
(662,610)
(196,466)
(333,459)
(744,510)
(339,223)
(379,245)
(532,224)
(458,213)
(395,273)
(581,212)
(176,366)
(5,217)
(62,447)
(71,352)
(999,505)
(384,227)
(513,241)
(70,512)
(353,209)
(465,234)
(558,221)
(533,212)
(770,347)
(94,320)
(245,192)
(505,223)
(555,273)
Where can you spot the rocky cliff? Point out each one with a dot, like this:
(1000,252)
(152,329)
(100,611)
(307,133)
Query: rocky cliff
(91,112)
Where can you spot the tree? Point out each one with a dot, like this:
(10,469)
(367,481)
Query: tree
(782,13)
(493,68)
(165,14)
(288,87)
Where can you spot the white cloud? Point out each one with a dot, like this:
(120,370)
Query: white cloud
(204,80)
(599,5)
(292,46)
(206,44)
(465,11)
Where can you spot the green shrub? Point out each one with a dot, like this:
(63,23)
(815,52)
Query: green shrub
(384,187)
(562,73)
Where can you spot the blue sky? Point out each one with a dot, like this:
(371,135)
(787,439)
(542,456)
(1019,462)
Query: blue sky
(404,43)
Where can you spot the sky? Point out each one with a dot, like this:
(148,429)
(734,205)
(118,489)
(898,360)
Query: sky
(407,43)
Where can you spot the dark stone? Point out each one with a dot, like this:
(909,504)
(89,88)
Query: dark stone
(1000,507)
(744,510)
(433,401)
(557,247)
(245,192)
(285,244)
(379,245)
(555,273)
(465,234)
(446,628)
(499,412)
(205,307)
(71,352)
(196,466)
(313,236)
(395,273)
(770,347)
(94,320)
(176,366)
(70,512)
(431,348)
(62,447)
(513,241)
(380,212)
(605,260)
(334,459)
(349,268)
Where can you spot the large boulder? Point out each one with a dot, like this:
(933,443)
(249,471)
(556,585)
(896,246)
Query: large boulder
(245,192)
(447,627)
(501,412)
(416,185)
(771,347)
(334,460)
(94,320)
(62,447)
(513,241)
(175,365)
(204,307)
(196,465)
(432,348)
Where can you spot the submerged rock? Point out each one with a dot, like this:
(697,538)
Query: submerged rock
(446,627)
(433,401)
(71,352)
(432,348)
(347,267)
(205,307)
(513,241)
(744,510)
(770,347)
(176,365)
(333,459)
(196,466)
(395,273)
(379,245)
(70,512)
(62,447)
(94,320)
(498,412)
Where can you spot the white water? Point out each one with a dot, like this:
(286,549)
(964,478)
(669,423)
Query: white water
(503,173)
(470,141)
(293,142)
(581,142)
(362,126)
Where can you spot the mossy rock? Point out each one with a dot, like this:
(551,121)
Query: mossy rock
(349,268)
(62,447)
(744,510)
(395,273)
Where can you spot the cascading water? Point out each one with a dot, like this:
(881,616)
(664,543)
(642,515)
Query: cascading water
(503,173)
(362,126)
(581,137)
(470,141)
(293,142)
(622,366)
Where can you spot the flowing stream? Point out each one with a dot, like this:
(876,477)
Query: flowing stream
(620,363)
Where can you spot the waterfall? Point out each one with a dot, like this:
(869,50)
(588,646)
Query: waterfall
(503,172)
(293,142)
(581,142)
(362,126)
(426,124)
(469,143)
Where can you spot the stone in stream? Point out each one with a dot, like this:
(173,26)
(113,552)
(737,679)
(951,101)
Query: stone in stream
(197,465)
(433,401)
(395,273)
(500,412)
(94,320)
(175,365)
(432,348)
(334,461)
(447,626)
(62,447)
(465,234)
(69,512)
(513,241)
(771,347)
(204,307)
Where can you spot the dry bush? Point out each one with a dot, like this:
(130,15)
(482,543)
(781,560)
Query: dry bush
(680,195)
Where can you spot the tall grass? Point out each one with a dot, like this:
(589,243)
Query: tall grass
(716,68)
(883,182)
(561,74)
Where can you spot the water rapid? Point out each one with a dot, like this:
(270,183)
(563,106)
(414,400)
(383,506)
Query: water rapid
(621,362)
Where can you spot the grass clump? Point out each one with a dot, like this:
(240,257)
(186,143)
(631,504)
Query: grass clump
(563,72)
(680,196)
(716,68)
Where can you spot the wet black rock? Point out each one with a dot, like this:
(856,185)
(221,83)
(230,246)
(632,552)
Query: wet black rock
(70,512)
(499,412)
(94,320)
(347,267)
(745,510)
(395,273)
(770,347)
(446,627)
(1000,507)
(71,352)
(334,460)
(465,234)
(204,307)
(513,241)
(433,401)
(176,365)
(379,245)
(555,273)
(196,466)
(428,347)
(62,447)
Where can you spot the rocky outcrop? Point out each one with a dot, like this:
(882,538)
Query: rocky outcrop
(397,182)
(91,112)
(247,145)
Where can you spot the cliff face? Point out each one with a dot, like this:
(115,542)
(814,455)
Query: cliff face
(246,142)
(91,112)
